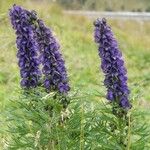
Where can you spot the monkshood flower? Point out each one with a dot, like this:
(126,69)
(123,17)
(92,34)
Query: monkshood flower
(55,76)
(21,20)
(112,64)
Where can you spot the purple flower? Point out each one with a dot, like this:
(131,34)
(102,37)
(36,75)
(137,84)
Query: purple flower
(55,76)
(22,22)
(112,64)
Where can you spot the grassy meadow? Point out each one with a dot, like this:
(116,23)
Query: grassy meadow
(80,53)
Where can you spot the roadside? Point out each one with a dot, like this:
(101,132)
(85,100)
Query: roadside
(111,15)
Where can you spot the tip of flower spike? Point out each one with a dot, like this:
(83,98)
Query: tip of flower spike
(13,13)
(100,26)
(100,21)
(104,20)
(16,7)
(15,10)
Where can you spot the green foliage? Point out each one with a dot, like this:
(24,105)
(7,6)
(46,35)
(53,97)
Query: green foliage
(39,121)
(35,121)
(101,129)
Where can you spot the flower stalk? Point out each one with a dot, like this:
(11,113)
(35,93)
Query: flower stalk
(112,65)
(115,81)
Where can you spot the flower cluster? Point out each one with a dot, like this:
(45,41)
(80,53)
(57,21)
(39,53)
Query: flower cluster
(27,46)
(55,76)
(112,64)
(34,38)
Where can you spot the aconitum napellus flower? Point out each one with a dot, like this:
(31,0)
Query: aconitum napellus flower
(21,20)
(112,64)
(55,76)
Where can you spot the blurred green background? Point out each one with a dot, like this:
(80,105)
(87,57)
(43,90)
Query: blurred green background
(106,5)
(75,34)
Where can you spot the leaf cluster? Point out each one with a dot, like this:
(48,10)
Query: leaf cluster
(39,121)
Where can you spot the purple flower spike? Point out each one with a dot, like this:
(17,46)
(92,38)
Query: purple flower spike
(55,76)
(112,64)
(27,46)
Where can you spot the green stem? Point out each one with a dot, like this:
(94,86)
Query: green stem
(129,133)
(51,144)
(121,128)
(81,130)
